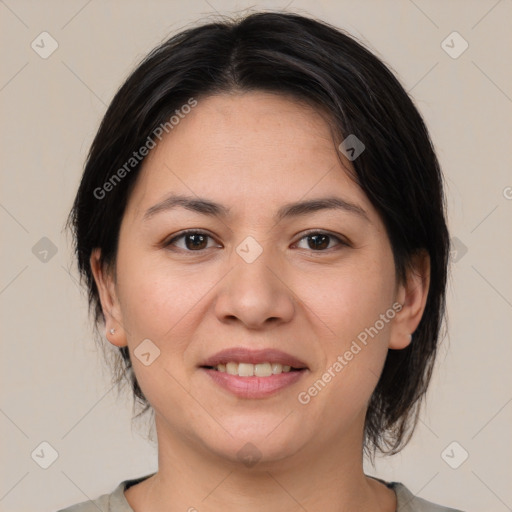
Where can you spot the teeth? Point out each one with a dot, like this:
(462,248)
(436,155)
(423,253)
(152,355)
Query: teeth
(263,370)
(245,370)
(277,368)
(231,368)
(250,370)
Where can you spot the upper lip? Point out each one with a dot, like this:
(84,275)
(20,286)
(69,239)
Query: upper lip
(244,355)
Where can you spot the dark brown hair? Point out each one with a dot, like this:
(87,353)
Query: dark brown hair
(310,60)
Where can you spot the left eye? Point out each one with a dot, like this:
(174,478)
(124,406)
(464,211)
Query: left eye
(320,241)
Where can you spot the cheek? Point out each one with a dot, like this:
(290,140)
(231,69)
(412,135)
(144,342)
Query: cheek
(349,299)
(355,310)
(161,305)
(158,298)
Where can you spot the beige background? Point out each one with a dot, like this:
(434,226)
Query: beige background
(54,387)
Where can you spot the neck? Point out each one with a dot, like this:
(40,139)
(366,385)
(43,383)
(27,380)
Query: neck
(195,480)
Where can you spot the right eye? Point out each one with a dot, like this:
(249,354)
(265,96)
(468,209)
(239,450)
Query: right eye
(193,241)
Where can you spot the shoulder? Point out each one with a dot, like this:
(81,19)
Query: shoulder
(407,502)
(102,503)
(111,502)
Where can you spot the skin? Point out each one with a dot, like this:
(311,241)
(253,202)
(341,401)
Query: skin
(254,152)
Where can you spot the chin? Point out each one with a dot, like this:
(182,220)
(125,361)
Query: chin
(264,443)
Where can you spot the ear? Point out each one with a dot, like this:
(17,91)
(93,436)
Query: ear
(105,282)
(412,295)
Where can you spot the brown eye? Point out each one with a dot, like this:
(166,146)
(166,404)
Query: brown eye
(192,241)
(319,241)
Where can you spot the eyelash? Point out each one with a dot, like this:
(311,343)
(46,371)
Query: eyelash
(310,233)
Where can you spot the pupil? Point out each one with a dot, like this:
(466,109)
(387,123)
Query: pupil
(197,241)
(320,241)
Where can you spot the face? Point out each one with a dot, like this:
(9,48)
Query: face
(290,267)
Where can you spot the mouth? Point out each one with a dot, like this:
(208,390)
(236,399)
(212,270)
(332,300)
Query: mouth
(253,374)
(266,369)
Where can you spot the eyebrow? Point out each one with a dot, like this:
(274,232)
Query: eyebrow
(207,207)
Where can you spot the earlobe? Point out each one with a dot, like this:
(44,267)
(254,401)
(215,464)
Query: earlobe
(116,336)
(412,295)
(114,331)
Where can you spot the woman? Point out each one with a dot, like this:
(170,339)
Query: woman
(261,228)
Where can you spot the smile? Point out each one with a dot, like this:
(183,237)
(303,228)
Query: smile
(253,370)
(250,373)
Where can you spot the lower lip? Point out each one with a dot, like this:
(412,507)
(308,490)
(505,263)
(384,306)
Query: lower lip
(254,387)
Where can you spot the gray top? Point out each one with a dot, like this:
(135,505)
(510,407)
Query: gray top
(116,501)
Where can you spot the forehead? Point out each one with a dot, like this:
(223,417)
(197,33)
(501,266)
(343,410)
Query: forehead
(251,149)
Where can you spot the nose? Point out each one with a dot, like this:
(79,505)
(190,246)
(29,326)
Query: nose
(255,294)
